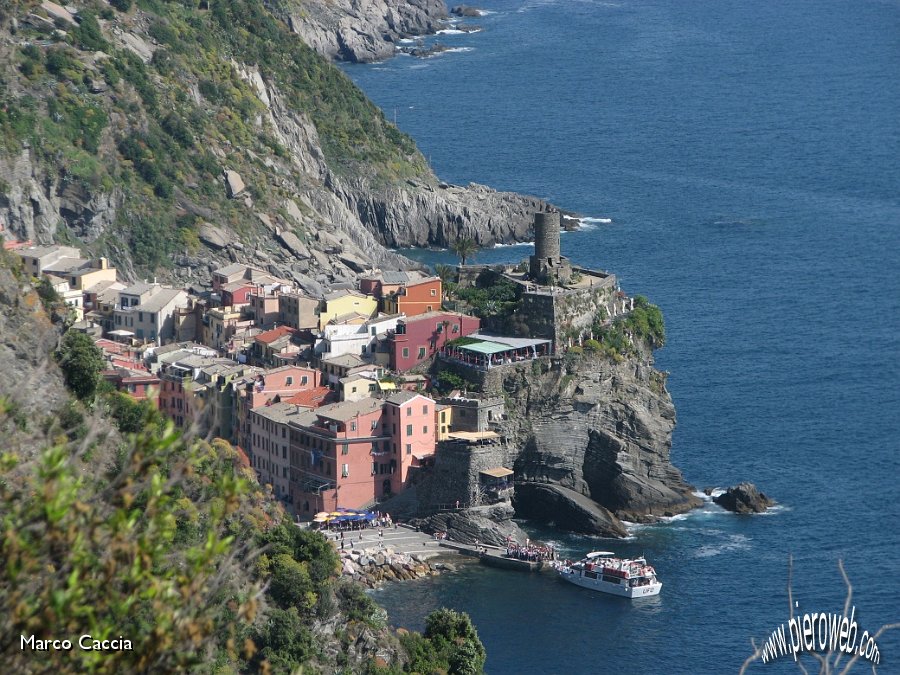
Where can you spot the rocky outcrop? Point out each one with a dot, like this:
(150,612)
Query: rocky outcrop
(428,213)
(743,498)
(602,432)
(570,510)
(466,10)
(373,569)
(362,31)
(481,525)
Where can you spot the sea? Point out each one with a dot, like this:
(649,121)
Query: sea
(738,163)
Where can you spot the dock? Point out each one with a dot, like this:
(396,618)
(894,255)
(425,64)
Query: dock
(493,556)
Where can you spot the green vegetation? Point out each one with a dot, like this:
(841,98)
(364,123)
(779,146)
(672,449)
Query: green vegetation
(81,362)
(464,248)
(497,299)
(447,381)
(450,645)
(101,555)
(616,340)
(646,322)
(141,131)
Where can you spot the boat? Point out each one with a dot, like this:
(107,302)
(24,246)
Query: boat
(603,571)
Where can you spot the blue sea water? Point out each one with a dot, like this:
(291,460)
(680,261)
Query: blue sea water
(748,154)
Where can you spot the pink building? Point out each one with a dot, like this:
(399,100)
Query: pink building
(419,338)
(410,421)
(342,459)
(263,307)
(269,449)
(262,388)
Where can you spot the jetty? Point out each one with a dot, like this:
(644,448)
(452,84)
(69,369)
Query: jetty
(494,556)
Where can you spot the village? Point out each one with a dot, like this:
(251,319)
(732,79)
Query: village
(337,401)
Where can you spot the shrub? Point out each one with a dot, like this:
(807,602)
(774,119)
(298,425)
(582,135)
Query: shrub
(592,346)
(81,362)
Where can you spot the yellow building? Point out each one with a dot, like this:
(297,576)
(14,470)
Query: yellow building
(341,303)
(98,270)
(443,415)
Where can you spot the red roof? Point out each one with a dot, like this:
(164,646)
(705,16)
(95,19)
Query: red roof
(271,335)
(311,398)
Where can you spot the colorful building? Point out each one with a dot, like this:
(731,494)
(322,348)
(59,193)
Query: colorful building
(409,419)
(346,302)
(415,298)
(342,459)
(420,337)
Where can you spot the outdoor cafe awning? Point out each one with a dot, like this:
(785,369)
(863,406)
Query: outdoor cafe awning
(486,347)
(499,472)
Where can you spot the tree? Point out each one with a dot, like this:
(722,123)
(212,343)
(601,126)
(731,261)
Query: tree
(291,585)
(284,640)
(81,362)
(89,557)
(454,636)
(464,248)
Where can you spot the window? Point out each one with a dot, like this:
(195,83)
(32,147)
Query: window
(284,452)
(140,316)
(345,470)
(424,409)
(288,381)
(409,411)
(152,318)
(304,379)
(421,352)
(353,424)
(405,350)
(353,390)
(284,472)
(374,468)
(430,308)
(345,449)
(409,430)
(408,449)
(374,424)
(425,429)
(433,292)
(373,330)
(455,329)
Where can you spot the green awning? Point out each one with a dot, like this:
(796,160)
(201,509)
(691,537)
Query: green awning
(485,347)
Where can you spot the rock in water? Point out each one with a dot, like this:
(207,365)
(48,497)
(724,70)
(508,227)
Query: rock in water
(744,498)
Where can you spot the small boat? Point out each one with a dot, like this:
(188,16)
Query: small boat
(603,571)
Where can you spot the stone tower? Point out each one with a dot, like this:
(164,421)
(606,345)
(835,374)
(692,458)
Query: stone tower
(547,265)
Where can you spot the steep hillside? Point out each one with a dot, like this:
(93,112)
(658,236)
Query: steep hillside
(118,125)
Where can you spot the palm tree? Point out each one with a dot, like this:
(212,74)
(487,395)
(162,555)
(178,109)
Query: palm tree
(464,248)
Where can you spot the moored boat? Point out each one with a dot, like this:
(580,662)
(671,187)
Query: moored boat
(602,571)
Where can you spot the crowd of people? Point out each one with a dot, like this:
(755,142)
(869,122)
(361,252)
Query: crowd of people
(530,551)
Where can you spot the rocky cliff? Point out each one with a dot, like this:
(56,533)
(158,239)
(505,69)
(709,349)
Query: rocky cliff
(172,140)
(362,30)
(593,430)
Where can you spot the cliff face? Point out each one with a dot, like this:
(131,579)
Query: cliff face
(362,30)
(594,431)
(31,385)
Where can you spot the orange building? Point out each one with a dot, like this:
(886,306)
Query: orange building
(415,298)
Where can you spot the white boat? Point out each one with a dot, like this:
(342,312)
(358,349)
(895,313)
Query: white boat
(603,571)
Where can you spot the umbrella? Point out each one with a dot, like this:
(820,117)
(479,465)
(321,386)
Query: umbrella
(322,514)
(320,519)
(335,514)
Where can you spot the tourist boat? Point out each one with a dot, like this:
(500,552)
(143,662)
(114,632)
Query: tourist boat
(602,571)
